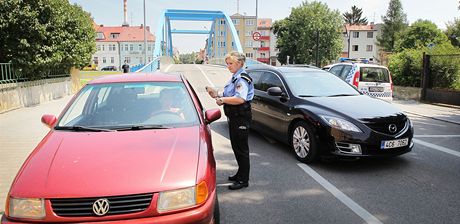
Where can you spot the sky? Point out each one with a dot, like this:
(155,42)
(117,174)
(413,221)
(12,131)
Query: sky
(110,12)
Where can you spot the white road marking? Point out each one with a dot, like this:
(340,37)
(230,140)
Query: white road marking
(202,72)
(437,147)
(167,68)
(360,211)
(426,123)
(437,136)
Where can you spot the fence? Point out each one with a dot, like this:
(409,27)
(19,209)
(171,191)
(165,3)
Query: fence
(8,74)
(12,74)
(441,78)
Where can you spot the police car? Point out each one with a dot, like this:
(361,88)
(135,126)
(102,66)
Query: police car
(373,80)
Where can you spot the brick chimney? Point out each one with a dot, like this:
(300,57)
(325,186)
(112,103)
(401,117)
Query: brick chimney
(125,13)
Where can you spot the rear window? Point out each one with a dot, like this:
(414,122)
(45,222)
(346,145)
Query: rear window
(374,74)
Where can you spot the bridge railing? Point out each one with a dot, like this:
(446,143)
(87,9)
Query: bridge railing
(221,61)
(7,73)
(151,66)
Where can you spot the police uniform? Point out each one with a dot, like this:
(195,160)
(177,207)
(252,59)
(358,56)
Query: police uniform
(239,118)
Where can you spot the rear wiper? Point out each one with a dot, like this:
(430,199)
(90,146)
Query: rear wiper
(81,128)
(141,127)
(342,95)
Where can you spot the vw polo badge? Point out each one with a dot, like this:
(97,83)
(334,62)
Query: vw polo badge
(101,207)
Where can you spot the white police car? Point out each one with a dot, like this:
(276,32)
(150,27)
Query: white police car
(373,80)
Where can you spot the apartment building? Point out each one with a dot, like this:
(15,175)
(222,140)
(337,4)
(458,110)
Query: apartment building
(360,41)
(118,44)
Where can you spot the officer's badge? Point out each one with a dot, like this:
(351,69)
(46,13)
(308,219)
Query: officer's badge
(239,86)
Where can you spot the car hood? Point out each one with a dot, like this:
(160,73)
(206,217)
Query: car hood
(361,107)
(87,164)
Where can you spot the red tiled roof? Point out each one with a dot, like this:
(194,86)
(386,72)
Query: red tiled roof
(360,27)
(127,33)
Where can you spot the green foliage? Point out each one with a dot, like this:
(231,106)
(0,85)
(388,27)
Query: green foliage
(394,22)
(354,17)
(420,34)
(189,58)
(43,35)
(297,34)
(406,66)
(453,31)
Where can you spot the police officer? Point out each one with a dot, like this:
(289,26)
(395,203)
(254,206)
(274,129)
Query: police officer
(236,98)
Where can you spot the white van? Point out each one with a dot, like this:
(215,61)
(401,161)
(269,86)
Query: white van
(370,79)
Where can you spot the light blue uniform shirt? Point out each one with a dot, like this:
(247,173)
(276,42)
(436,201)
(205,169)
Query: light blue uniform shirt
(239,87)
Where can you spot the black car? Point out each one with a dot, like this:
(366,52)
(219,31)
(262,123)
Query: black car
(109,68)
(318,114)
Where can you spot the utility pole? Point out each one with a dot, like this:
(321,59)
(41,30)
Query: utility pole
(317,48)
(145,39)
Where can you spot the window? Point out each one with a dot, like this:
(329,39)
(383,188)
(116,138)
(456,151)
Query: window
(248,33)
(354,48)
(249,22)
(100,36)
(128,60)
(262,55)
(95,60)
(222,44)
(262,43)
(370,34)
(236,21)
(131,47)
(355,34)
(104,60)
(222,33)
(268,80)
(345,72)
(98,47)
(369,48)
(114,35)
(103,47)
(149,47)
(255,76)
(112,60)
(114,47)
(140,47)
(336,70)
(126,47)
(248,43)
(249,55)
(222,22)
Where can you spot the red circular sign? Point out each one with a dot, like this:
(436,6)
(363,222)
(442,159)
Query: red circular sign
(256,36)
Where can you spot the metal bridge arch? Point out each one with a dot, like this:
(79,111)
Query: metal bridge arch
(163,42)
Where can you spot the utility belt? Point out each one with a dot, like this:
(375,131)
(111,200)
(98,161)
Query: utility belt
(242,110)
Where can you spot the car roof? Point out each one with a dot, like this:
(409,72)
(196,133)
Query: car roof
(286,69)
(137,77)
(359,64)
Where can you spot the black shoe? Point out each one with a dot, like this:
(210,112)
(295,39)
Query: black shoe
(238,185)
(233,178)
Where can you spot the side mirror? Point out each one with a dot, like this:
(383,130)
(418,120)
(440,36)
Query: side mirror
(275,91)
(49,120)
(212,115)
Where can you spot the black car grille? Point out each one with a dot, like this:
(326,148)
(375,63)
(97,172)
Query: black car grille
(77,207)
(384,127)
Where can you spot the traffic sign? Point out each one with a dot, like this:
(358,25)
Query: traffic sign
(256,36)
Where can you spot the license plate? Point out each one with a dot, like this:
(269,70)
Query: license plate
(394,143)
(375,89)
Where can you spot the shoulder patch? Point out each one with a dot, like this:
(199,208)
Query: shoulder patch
(246,77)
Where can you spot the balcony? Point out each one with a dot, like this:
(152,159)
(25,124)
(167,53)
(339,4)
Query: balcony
(264,49)
(264,60)
(265,38)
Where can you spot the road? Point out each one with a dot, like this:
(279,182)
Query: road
(422,186)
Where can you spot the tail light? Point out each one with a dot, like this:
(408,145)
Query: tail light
(356,79)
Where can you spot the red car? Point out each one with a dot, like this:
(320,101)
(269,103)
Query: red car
(133,148)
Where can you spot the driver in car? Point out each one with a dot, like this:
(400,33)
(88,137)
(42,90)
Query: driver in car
(168,103)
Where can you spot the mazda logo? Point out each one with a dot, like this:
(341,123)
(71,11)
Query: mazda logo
(101,207)
(392,128)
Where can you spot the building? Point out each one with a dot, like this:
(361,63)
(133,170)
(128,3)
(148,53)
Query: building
(263,36)
(360,41)
(118,44)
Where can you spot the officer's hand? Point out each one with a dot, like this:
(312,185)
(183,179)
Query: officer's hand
(219,101)
(211,91)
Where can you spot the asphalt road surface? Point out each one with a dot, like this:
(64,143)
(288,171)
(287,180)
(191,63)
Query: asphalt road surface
(422,186)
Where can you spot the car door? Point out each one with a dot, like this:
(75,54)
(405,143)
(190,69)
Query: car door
(336,70)
(272,112)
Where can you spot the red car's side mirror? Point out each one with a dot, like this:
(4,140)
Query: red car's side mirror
(49,120)
(212,115)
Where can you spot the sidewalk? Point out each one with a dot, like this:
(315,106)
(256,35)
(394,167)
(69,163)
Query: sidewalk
(447,113)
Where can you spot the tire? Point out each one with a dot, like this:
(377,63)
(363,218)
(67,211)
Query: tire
(303,142)
(216,215)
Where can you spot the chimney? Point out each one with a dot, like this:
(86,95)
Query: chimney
(125,13)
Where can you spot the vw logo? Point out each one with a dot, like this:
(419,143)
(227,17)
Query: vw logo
(101,207)
(392,128)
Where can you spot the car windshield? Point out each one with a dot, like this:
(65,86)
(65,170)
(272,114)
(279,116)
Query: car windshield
(374,74)
(318,83)
(130,106)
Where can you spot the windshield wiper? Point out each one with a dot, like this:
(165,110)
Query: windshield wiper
(141,127)
(81,128)
(342,95)
(306,96)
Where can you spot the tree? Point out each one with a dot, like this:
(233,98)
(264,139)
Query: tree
(453,32)
(354,17)
(394,22)
(422,33)
(297,34)
(44,34)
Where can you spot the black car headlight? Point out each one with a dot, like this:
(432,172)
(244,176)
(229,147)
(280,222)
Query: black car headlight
(340,123)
